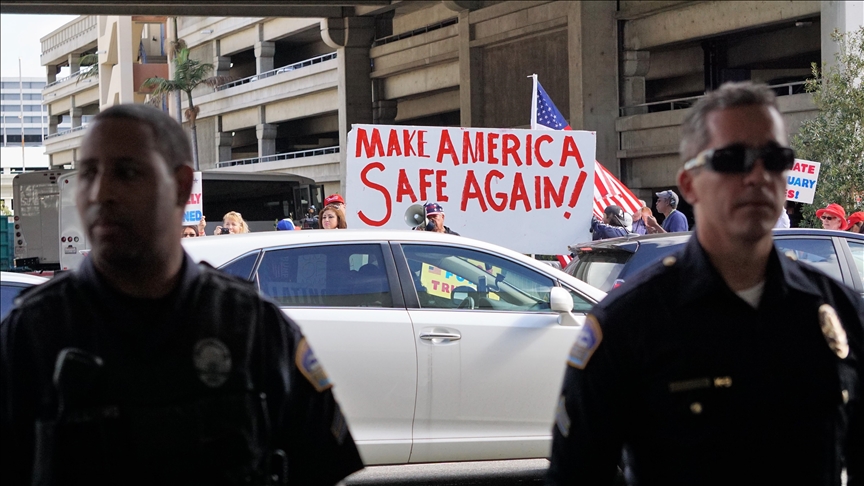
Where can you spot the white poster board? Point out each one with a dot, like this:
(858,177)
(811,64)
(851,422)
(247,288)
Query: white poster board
(801,181)
(528,190)
(194,206)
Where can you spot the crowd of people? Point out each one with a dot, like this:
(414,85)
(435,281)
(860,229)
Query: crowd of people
(833,217)
(617,223)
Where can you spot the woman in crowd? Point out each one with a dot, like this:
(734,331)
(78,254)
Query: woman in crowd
(190,231)
(331,217)
(232,224)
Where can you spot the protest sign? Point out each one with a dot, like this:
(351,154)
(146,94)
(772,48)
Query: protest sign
(194,206)
(801,181)
(528,190)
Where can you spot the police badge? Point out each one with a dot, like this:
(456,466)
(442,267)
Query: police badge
(212,360)
(833,331)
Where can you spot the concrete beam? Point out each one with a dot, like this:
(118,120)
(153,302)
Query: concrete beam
(202,8)
(704,19)
(441,102)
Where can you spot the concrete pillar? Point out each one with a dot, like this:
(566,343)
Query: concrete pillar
(592,32)
(73,59)
(53,123)
(470,76)
(352,39)
(383,111)
(221,65)
(224,140)
(842,16)
(264,56)
(75,115)
(266,133)
(634,67)
(50,73)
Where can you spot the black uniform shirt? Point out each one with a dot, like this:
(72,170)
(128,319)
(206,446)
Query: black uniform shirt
(202,386)
(701,388)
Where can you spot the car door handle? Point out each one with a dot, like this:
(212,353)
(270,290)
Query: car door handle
(428,336)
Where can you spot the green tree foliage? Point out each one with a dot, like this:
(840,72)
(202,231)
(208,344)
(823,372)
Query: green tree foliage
(88,66)
(188,74)
(835,137)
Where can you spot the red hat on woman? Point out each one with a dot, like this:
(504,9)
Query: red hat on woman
(856,217)
(334,198)
(836,210)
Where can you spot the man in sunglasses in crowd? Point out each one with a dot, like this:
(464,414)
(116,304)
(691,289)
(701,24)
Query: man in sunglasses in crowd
(729,362)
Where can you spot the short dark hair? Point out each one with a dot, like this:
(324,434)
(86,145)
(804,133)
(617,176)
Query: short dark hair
(694,131)
(169,138)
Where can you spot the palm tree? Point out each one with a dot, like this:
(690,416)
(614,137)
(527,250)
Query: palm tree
(91,62)
(188,75)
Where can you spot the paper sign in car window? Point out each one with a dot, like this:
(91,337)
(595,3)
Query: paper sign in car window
(439,282)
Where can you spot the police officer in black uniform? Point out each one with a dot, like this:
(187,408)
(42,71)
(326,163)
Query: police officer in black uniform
(728,363)
(145,368)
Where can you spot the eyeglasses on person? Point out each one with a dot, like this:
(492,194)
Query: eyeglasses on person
(827,218)
(740,159)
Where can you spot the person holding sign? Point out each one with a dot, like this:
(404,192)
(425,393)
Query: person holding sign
(726,363)
(833,217)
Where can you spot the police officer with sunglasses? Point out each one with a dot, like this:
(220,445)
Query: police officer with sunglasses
(728,363)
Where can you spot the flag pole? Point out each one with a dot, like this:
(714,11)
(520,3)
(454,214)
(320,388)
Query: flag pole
(534,102)
(21,116)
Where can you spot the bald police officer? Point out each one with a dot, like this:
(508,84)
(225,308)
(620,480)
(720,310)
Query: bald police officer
(146,368)
(728,363)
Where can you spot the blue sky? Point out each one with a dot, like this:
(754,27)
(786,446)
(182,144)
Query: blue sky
(19,37)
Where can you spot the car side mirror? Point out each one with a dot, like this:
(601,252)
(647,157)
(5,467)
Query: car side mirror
(560,300)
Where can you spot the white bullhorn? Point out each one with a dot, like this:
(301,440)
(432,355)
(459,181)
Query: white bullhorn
(415,216)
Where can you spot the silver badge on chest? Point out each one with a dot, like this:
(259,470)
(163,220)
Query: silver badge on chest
(212,360)
(833,330)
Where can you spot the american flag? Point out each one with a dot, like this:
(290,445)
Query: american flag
(607,188)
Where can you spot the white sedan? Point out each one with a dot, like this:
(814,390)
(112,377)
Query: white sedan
(442,348)
(11,284)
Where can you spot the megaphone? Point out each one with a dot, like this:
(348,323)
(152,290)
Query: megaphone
(415,216)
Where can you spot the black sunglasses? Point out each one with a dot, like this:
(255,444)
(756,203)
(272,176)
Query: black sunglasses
(739,158)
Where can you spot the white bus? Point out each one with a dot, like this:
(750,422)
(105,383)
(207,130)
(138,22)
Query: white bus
(49,234)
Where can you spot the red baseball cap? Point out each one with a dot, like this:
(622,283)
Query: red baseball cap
(333,198)
(836,210)
(855,217)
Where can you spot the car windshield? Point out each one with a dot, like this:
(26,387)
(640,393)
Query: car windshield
(601,269)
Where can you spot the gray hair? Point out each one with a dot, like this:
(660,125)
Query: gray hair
(694,131)
(169,138)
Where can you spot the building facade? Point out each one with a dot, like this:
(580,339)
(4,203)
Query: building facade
(128,49)
(628,70)
(21,112)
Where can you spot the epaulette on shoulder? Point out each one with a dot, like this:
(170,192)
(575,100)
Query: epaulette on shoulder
(35,292)
(657,277)
(225,278)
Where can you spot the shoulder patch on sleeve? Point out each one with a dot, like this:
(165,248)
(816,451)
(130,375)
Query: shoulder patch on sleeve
(587,341)
(311,368)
